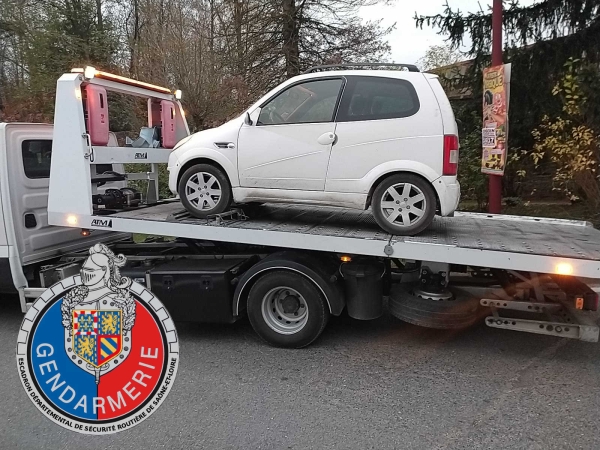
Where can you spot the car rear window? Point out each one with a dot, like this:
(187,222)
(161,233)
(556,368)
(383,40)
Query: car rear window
(373,98)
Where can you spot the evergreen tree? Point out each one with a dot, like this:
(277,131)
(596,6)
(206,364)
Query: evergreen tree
(539,40)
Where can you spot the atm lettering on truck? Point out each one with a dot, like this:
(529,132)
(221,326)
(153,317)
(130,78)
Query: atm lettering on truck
(104,223)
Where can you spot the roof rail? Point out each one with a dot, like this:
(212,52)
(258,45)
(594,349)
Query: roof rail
(407,67)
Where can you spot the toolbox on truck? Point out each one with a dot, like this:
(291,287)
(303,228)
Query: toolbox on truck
(176,284)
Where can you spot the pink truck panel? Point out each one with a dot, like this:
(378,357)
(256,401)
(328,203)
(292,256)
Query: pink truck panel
(97,114)
(167,118)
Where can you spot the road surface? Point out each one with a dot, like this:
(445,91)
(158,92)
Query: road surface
(365,385)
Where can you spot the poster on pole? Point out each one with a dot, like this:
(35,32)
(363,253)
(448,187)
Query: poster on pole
(494,135)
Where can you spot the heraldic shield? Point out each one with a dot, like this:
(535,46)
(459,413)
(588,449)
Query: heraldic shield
(97,335)
(98,315)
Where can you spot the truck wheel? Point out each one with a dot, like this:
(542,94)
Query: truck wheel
(204,190)
(404,204)
(286,309)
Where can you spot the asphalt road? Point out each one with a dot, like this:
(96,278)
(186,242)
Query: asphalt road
(364,385)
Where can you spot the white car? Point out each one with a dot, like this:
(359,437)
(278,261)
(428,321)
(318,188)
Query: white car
(384,139)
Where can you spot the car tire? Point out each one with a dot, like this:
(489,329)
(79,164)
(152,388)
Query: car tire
(286,309)
(412,204)
(212,196)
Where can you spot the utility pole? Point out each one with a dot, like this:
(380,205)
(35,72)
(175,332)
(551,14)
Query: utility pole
(495,182)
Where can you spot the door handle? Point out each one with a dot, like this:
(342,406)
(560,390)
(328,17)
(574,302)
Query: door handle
(327,138)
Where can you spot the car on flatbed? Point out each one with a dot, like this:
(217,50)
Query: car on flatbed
(380,139)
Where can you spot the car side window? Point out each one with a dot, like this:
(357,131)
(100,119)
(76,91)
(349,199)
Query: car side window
(36,158)
(308,102)
(373,98)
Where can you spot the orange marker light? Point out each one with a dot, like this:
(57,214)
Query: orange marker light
(564,269)
(345,258)
(90,72)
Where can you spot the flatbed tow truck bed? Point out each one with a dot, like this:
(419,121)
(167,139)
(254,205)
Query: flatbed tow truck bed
(474,239)
(528,274)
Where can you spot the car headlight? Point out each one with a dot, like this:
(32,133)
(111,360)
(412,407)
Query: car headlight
(183,141)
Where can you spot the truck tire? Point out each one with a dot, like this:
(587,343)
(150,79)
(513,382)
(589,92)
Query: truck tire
(286,309)
(404,204)
(205,190)
(461,312)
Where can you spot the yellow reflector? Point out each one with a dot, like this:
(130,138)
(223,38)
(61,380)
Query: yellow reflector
(564,269)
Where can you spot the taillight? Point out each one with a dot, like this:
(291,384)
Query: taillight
(450,154)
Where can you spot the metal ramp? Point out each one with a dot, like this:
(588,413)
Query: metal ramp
(505,242)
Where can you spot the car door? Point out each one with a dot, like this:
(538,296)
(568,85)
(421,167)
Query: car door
(382,120)
(288,146)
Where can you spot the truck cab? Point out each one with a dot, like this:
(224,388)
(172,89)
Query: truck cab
(27,241)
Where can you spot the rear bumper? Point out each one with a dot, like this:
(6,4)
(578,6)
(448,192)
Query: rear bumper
(448,190)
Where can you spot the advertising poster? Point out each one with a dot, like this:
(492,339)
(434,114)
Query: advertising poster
(494,135)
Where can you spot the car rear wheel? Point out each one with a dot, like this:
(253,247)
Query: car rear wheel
(404,204)
(204,190)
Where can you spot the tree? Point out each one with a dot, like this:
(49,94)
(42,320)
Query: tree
(570,142)
(438,56)
(325,31)
(222,54)
(539,40)
(41,40)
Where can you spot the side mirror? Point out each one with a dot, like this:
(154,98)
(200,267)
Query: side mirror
(248,120)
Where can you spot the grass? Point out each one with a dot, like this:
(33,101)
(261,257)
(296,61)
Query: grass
(138,237)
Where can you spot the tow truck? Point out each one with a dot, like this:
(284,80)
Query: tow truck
(287,267)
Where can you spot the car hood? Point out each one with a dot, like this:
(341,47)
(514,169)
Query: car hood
(226,133)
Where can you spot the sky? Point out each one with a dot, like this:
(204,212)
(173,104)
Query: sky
(409,43)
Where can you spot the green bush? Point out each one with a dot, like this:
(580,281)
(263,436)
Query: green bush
(142,185)
(474,184)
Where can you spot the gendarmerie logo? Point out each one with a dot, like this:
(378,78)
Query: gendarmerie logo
(105,223)
(141,155)
(97,353)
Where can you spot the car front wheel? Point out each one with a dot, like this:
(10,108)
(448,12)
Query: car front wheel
(404,204)
(204,190)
